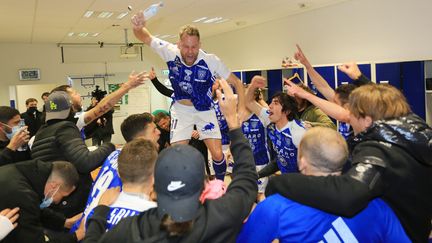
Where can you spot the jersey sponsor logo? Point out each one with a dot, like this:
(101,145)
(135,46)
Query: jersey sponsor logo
(208,127)
(175,185)
(186,87)
(340,233)
(188,75)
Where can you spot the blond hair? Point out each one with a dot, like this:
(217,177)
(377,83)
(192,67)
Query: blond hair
(378,101)
(189,30)
(324,148)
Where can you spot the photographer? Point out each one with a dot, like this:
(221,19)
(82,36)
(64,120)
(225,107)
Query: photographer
(101,129)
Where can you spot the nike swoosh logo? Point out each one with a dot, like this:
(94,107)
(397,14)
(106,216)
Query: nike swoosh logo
(175,185)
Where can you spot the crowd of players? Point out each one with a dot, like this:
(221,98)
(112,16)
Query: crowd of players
(370,181)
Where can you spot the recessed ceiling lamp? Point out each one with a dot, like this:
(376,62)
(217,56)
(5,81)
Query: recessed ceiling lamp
(122,15)
(105,15)
(95,34)
(221,21)
(212,20)
(83,34)
(199,20)
(70,34)
(88,14)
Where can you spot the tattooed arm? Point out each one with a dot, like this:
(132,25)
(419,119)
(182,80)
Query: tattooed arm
(109,101)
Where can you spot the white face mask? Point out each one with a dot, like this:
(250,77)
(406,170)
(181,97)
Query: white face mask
(14,129)
(47,201)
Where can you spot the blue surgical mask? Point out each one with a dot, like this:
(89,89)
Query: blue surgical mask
(14,129)
(47,201)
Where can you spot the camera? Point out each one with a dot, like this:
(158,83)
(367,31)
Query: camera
(98,94)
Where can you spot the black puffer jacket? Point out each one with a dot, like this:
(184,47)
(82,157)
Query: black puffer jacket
(23,186)
(61,140)
(392,159)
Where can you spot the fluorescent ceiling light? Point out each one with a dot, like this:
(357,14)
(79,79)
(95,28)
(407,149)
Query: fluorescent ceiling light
(95,34)
(221,21)
(70,34)
(212,20)
(83,34)
(88,14)
(199,20)
(164,36)
(122,15)
(105,15)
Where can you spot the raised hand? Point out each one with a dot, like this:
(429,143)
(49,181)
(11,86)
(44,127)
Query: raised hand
(228,104)
(351,69)
(136,79)
(257,82)
(152,73)
(294,90)
(300,56)
(19,139)
(138,21)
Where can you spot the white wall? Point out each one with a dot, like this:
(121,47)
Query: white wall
(360,30)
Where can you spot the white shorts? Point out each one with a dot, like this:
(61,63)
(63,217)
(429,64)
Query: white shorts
(183,119)
(262,182)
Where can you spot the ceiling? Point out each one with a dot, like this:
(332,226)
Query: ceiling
(50,21)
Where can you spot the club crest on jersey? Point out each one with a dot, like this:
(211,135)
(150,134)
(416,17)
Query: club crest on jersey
(201,73)
(186,87)
(188,75)
(208,127)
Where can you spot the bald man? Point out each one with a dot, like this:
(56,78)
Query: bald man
(322,152)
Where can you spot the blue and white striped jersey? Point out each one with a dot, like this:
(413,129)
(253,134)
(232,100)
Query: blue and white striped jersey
(191,82)
(255,131)
(107,178)
(285,141)
(223,125)
(126,205)
(345,130)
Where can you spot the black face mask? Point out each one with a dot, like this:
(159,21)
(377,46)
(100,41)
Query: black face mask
(32,110)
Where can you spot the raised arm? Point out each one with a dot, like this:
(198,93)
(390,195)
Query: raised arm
(316,78)
(158,85)
(110,100)
(139,29)
(232,79)
(352,70)
(329,108)
(251,104)
(242,191)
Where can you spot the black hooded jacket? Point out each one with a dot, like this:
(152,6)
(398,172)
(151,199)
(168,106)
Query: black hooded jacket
(392,159)
(23,186)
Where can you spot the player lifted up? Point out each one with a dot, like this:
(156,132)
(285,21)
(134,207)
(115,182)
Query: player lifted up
(192,73)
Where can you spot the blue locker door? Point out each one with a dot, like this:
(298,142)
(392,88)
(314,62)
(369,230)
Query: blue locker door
(413,86)
(248,75)
(274,81)
(328,74)
(343,78)
(389,72)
